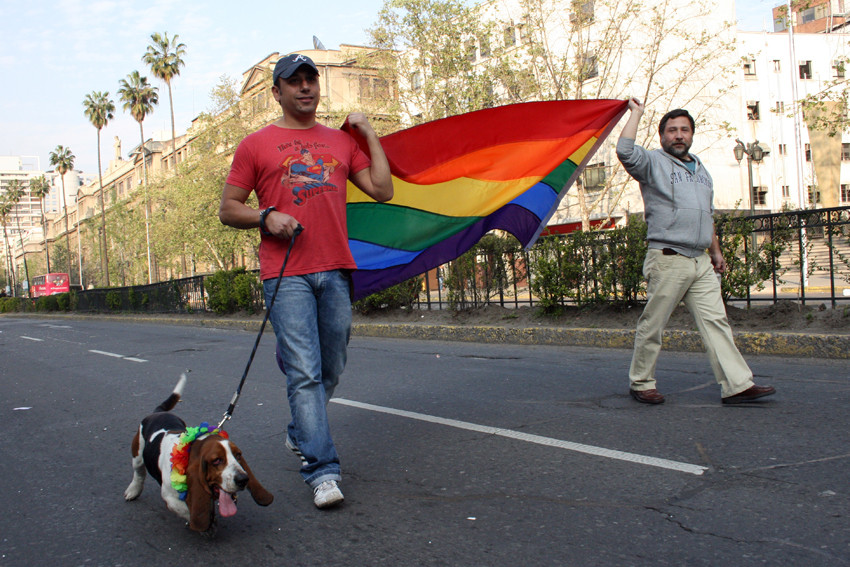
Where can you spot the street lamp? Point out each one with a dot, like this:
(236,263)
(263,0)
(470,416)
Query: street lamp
(754,153)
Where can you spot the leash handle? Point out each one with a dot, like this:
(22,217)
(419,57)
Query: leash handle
(229,413)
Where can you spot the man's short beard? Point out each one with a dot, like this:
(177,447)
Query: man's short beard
(673,151)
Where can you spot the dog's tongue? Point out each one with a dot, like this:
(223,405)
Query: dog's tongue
(226,505)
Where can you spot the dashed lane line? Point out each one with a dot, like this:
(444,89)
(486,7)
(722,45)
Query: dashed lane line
(121,356)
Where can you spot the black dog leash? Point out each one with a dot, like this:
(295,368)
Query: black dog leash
(229,413)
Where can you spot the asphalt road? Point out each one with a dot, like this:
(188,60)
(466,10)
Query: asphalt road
(453,454)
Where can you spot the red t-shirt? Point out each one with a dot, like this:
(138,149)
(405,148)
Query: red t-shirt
(302,173)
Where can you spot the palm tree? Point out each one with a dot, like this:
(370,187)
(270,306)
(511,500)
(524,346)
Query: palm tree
(165,57)
(139,98)
(63,160)
(5,210)
(39,188)
(99,110)
(14,195)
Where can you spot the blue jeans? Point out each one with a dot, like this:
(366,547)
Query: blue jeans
(311,318)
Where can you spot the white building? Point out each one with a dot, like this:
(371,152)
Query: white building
(737,85)
(777,69)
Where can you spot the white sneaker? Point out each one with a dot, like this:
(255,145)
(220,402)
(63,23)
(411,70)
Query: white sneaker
(327,494)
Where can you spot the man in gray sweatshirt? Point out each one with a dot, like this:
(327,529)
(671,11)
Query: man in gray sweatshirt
(678,195)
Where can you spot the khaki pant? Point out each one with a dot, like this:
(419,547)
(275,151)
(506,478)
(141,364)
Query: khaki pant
(675,278)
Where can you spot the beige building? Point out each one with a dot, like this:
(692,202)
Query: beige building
(348,83)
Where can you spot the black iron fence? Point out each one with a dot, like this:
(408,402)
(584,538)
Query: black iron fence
(812,265)
(185,295)
(815,266)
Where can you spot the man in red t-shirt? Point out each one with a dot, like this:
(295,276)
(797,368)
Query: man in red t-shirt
(299,169)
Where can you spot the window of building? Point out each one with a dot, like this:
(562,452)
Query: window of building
(471,50)
(777,66)
(838,69)
(783,149)
(510,36)
(808,149)
(588,68)
(749,66)
(814,195)
(582,12)
(759,195)
(484,46)
(779,108)
(594,177)
(524,33)
(805,69)
(845,193)
(753,110)
(786,191)
(806,16)
(845,152)
(417,81)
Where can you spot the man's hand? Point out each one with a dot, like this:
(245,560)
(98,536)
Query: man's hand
(281,224)
(359,122)
(630,129)
(719,263)
(635,105)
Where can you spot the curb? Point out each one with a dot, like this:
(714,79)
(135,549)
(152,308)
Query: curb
(770,344)
(775,344)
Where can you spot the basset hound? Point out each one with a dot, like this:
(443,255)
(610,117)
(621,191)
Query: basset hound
(196,466)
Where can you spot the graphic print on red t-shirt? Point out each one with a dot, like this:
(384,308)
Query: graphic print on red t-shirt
(306,174)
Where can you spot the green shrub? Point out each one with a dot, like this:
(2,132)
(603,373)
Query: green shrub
(401,295)
(113,300)
(246,288)
(13,304)
(47,303)
(746,268)
(66,301)
(232,290)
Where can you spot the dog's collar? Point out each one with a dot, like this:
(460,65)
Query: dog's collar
(180,454)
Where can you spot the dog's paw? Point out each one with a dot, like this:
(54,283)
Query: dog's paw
(132,491)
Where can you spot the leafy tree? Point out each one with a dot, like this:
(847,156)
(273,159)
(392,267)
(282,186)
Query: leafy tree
(189,201)
(5,211)
(139,99)
(427,45)
(63,160)
(14,194)
(453,58)
(39,188)
(99,110)
(165,57)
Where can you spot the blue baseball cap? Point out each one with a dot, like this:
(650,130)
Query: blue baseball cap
(286,66)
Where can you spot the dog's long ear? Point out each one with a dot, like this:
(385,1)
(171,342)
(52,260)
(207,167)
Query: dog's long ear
(199,495)
(261,496)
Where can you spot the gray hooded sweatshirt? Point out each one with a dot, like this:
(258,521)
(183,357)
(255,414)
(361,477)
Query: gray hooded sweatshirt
(678,204)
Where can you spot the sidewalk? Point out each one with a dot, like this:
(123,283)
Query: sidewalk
(807,345)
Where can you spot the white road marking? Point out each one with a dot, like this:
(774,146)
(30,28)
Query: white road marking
(121,356)
(32,339)
(548,441)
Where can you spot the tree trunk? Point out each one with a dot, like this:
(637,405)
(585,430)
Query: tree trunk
(104,261)
(147,203)
(44,232)
(173,135)
(24,255)
(67,229)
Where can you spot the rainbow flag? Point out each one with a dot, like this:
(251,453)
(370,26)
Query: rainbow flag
(458,178)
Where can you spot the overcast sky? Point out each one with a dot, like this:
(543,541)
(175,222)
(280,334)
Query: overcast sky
(55,52)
